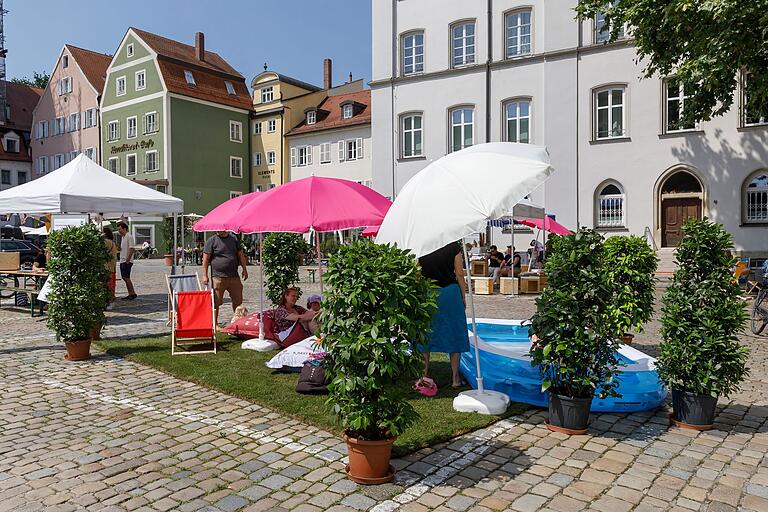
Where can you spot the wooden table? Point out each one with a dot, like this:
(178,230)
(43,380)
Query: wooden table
(29,282)
(312,271)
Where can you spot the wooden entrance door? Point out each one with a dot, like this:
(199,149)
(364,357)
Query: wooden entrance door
(674,213)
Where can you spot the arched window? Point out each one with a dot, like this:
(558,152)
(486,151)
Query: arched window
(755,202)
(517,114)
(611,206)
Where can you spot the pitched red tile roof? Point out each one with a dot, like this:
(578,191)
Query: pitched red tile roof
(210,75)
(22,99)
(93,65)
(329,113)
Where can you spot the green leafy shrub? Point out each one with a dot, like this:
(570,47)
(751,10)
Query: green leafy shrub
(577,334)
(631,264)
(377,311)
(702,316)
(329,246)
(282,255)
(79,275)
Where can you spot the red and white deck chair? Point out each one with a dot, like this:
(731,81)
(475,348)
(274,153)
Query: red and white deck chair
(192,321)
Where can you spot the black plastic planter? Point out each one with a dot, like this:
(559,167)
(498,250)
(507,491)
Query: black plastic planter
(568,415)
(696,411)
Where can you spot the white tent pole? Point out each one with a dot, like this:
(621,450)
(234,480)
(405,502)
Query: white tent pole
(173,249)
(474,318)
(319,261)
(261,288)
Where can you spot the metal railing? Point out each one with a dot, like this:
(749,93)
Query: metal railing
(649,239)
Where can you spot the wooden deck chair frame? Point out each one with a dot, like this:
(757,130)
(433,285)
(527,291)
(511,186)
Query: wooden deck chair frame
(192,341)
(171,292)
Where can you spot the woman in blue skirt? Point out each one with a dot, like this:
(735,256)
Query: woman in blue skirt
(449,325)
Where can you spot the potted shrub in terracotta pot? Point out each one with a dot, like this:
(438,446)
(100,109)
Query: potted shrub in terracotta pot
(575,333)
(631,264)
(377,313)
(701,357)
(78,293)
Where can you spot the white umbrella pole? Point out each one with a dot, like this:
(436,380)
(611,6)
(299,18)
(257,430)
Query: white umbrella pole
(474,317)
(261,289)
(319,261)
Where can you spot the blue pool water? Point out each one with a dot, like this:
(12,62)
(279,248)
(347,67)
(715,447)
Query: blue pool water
(506,368)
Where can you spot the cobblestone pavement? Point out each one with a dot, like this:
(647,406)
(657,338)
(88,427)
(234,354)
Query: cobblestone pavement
(110,434)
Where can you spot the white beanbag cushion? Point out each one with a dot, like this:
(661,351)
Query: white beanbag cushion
(260,345)
(295,355)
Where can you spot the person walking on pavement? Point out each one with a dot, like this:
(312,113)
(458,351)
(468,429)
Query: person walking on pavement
(223,253)
(126,258)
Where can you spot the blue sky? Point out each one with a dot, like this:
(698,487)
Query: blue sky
(291,36)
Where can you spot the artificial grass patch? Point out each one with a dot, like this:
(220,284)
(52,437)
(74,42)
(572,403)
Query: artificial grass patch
(242,373)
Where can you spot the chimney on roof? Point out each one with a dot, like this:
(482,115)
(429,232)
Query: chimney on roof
(350,77)
(200,46)
(327,74)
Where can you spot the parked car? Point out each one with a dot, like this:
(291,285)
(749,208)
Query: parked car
(27,250)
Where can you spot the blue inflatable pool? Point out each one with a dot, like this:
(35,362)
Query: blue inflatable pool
(506,367)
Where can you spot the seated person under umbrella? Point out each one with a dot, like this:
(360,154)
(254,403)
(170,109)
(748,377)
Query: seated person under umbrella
(291,320)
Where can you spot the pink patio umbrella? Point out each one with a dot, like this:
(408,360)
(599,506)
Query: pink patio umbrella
(547,224)
(370,231)
(225,216)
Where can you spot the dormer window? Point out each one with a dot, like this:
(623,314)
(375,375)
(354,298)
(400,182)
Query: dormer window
(190,78)
(129,50)
(347,111)
(230,88)
(267,94)
(12,145)
(311,117)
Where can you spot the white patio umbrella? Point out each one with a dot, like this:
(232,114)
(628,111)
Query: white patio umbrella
(454,197)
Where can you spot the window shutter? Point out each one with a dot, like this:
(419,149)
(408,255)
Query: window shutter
(359,148)
(310,149)
(293,157)
(342,150)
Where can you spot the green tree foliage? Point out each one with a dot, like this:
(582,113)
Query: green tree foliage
(79,282)
(631,264)
(376,313)
(702,42)
(282,255)
(38,80)
(574,321)
(702,316)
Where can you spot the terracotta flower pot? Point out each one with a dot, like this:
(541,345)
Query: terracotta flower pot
(78,350)
(627,338)
(168,260)
(369,461)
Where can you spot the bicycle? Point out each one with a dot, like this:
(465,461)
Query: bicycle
(759,318)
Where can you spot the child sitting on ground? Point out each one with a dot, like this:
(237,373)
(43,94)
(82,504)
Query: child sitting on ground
(240,312)
(313,304)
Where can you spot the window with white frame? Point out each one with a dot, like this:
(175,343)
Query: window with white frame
(21,177)
(141,80)
(517,127)
(150,161)
(230,88)
(59,126)
(603,27)
(351,149)
(235,131)
(150,122)
(6,177)
(271,126)
(325,153)
(271,186)
(190,78)
(412,136)
(677,95)
(257,188)
(256,159)
(130,127)
(144,233)
(751,116)
(518,33)
(610,113)
(72,155)
(65,85)
(130,165)
(257,127)
(12,145)
(611,207)
(271,158)
(58,160)
(113,164)
(233,194)
(90,153)
(413,53)
(129,50)
(42,129)
(463,43)
(462,132)
(755,203)
(347,111)
(311,117)
(74,122)
(235,167)
(120,86)
(267,94)
(42,165)
(162,188)
(301,156)
(89,118)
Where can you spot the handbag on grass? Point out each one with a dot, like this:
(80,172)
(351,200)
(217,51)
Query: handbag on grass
(312,378)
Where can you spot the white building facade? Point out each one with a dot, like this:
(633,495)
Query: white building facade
(447,74)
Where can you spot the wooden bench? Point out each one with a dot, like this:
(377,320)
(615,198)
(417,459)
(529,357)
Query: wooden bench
(32,292)
(313,270)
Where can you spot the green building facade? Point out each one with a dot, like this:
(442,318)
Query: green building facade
(175,117)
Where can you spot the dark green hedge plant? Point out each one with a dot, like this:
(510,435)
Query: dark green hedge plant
(577,333)
(631,264)
(376,313)
(282,254)
(79,276)
(702,316)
